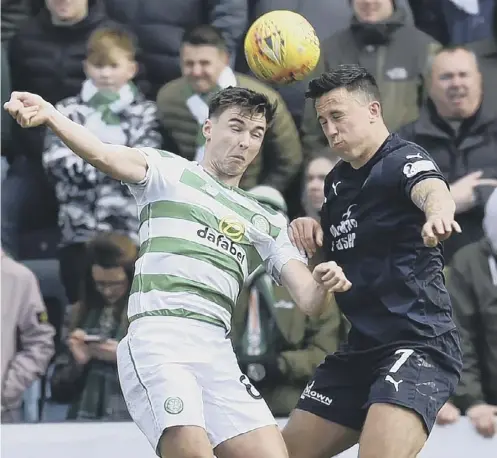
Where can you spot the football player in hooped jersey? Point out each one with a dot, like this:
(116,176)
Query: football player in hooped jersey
(201,237)
(387,208)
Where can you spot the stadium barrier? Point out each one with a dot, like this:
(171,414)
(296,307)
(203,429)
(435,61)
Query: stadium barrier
(124,440)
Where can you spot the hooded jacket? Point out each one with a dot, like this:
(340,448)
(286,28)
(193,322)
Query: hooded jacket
(394,52)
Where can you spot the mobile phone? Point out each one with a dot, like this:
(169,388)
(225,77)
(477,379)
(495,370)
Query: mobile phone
(89,338)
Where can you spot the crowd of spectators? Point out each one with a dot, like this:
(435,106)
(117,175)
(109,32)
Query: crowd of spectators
(140,73)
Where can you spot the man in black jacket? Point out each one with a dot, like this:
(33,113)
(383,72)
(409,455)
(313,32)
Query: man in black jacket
(46,57)
(459,130)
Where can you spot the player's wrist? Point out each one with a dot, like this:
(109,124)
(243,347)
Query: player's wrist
(440,215)
(52,115)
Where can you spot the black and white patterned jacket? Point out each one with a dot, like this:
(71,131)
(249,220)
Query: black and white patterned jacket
(89,200)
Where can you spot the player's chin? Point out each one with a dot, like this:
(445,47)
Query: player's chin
(234,169)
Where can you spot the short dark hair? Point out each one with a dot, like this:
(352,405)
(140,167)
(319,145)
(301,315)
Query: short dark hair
(205,35)
(450,49)
(247,100)
(352,77)
(453,48)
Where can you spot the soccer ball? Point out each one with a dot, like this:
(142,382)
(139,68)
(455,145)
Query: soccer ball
(281,47)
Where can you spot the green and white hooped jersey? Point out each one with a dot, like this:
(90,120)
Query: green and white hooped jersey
(199,241)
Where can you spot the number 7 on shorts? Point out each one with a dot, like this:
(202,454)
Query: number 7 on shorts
(404,356)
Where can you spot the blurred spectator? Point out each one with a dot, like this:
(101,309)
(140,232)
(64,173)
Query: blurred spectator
(380,39)
(6,90)
(86,374)
(160,26)
(459,129)
(6,120)
(112,108)
(313,195)
(312,203)
(27,336)
(47,53)
(278,347)
(183,107)
(472,283)
(486,52)
(14,14)
(326,16)
(454,22)
(46,57)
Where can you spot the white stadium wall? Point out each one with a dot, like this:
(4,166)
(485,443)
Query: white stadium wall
(124,440)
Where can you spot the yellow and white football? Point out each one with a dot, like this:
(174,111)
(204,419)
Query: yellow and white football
(281,47)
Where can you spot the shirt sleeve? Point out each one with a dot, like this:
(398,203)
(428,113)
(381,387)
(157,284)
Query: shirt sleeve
(156,178)
(408,166)
(280,253)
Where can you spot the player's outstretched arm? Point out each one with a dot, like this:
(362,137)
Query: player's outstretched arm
(311,291)
(433,197)
(119,162)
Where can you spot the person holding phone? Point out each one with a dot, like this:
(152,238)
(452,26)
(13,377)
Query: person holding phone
(96,324)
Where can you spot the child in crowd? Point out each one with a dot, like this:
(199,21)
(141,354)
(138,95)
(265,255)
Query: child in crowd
(111,106)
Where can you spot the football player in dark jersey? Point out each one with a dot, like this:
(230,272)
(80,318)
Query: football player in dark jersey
(387,209)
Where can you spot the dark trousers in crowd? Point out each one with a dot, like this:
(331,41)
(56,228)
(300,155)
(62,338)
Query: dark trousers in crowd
(28,203)
(72,267)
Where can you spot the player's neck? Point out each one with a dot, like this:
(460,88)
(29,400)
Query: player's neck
(225,179)
(372,148)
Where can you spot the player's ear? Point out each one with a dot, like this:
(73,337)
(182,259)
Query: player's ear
(207,129)
(374,111)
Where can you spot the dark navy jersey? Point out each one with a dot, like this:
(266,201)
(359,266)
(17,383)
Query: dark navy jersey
(372,229)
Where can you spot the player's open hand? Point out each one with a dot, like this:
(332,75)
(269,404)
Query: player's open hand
(331,276)
(439,228)
(306,234)
(29,110)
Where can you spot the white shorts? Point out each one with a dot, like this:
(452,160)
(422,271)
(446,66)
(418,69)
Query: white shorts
(178,371)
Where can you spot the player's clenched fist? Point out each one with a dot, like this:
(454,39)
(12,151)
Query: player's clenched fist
(306,234)
(331,276)
(29,110)
(437,229)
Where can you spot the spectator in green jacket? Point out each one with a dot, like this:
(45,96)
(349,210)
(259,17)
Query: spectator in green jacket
(182,109)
